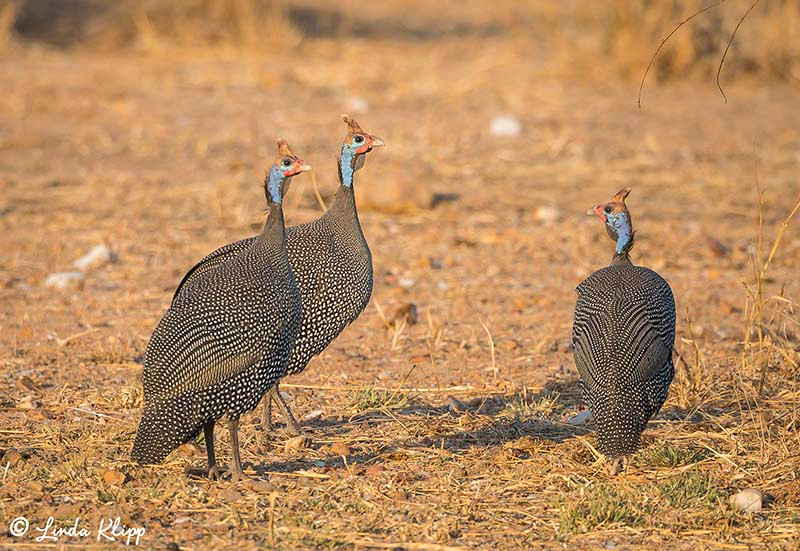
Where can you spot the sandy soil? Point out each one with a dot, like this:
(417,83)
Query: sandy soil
(161,158)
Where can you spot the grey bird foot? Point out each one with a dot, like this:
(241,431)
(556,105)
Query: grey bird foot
(292,426)
(294,429)
(238,475)
(213,473)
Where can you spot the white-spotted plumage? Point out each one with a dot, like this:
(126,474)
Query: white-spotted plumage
(223,343)
(623,333)
(330,259)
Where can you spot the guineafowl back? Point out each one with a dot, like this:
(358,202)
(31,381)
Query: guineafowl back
(332,266)
(623,334)
(224,341)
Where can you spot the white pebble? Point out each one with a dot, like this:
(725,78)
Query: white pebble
(64,280)
(505,125)
(580,419)
(748,500)
(28,402)
(97,256)
(406,282)
(358,105)
(547,213)
(316,414)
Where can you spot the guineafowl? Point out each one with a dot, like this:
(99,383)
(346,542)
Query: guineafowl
(622,335)
(331,262)
(225,341)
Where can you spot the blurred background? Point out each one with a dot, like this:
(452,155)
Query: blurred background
(571,38)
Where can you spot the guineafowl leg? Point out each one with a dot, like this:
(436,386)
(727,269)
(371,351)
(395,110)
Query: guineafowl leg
(213,471)
(266,413)
(292,425)
(236,463)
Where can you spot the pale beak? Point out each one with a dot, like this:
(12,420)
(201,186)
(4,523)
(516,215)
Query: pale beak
(377,142)
(303,168)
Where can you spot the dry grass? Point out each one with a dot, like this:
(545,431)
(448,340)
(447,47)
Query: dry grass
(442,429)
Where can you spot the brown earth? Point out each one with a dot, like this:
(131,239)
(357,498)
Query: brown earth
(161,158)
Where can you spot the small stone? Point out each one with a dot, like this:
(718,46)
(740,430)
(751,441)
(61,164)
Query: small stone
(406,282)
(505,125)
(316,414)
(96,257)
(358,105)
(35,487)
(28,402)
(231,494)
(456,406)
(580,419)
(260,486)
(12,457)
(296,443)
(717,247)
(547,213)
(40,414)
(408,313)
(7,401)
(181,520)
(65,280)
(748,500)
(113,477)
(339,448)
(188,449)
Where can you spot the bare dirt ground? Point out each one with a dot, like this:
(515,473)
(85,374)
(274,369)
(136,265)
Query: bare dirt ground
(161,158)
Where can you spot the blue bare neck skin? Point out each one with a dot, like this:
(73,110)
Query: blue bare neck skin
(621,225)
(347,166)
(273,234)
(344,204)
(275,180)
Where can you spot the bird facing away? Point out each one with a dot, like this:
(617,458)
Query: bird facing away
(331,262)
(224,341)
(622,335)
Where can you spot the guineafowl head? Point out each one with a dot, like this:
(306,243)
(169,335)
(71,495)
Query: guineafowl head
(279,175)
(356,145)
(619,225)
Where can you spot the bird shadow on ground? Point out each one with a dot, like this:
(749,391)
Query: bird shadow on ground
(487,421)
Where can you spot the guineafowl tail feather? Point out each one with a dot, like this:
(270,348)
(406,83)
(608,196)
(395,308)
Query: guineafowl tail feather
(167,422)
(619,422)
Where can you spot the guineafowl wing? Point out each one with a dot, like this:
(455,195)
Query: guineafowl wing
(212,261)
(209,336)
(623,326)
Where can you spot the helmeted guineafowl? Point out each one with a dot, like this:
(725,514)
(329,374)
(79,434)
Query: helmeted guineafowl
(622,335)
(331,262)
(225,341)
